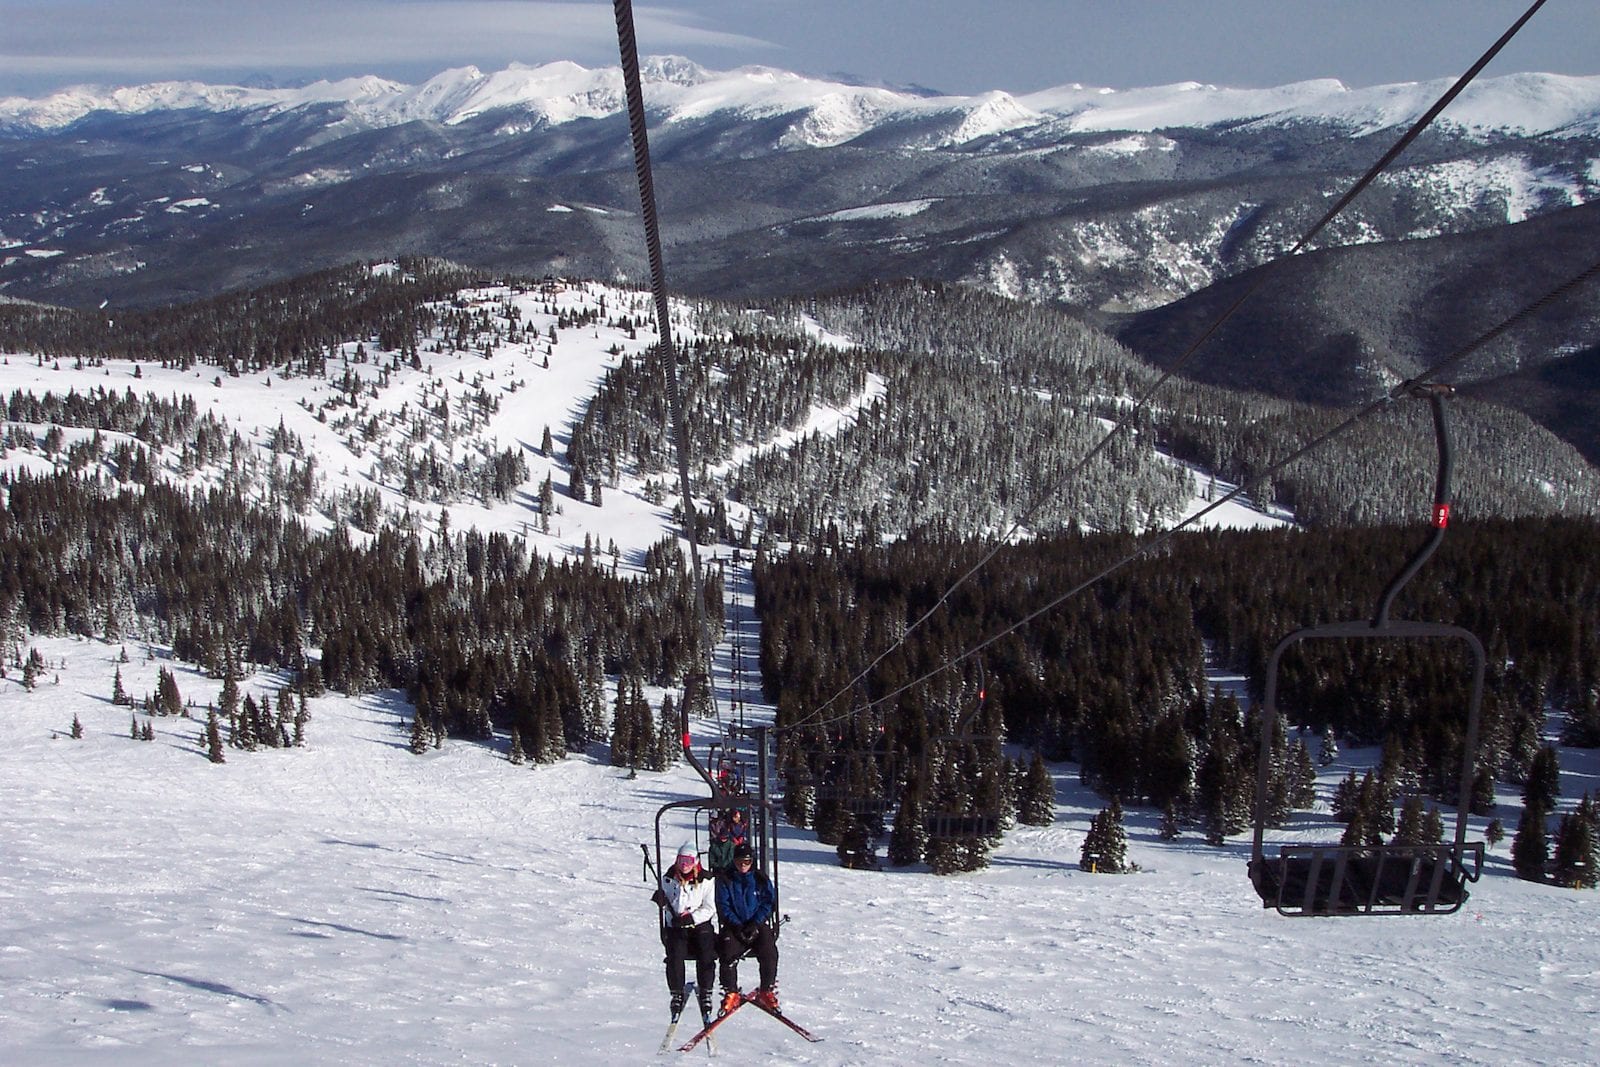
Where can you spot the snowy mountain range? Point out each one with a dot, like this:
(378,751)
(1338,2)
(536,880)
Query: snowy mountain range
(824,114)
(1115,200)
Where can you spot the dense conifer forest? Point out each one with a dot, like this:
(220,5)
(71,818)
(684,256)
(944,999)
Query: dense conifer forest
(1114,678)
(477,632)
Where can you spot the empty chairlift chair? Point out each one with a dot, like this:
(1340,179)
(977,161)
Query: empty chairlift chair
(1406,879)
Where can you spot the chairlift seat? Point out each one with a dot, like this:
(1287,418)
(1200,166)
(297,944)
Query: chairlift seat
(1335,880)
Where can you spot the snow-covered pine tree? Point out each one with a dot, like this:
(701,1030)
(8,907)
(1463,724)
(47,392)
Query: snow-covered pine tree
(1105,846)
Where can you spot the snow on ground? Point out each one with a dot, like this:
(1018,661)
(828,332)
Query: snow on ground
(351,903)
(1240,513)
(892,210)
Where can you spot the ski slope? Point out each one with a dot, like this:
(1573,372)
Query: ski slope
(350,903)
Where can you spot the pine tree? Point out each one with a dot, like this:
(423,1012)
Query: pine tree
(76,730)
(1038,800)
(1169,830)
(133,726)
(213,738)
(1577,851)
(1329,750)
(908,838)
(1105,846)
(1544,779)
(119,695)
(419,724)
(1530,848)
(1410,829)
(517,757)
(622,739)
(168,699)
(1302,777)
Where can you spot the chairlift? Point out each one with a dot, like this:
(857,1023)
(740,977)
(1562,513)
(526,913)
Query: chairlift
(758,809)
(1340,880)
(840,782)
(954,823)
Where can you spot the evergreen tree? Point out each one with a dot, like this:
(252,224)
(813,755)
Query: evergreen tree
(1302,777)
(168,699)
(1038,800)
(1544,779)
(1105,846)
(908,838)
(623,742)
(517,757)
(1530,848)
(76,730)
(119,695)
(419,728)
(1169,830)
(1410,829)
(1574,862)
(213,738)
(1329,750)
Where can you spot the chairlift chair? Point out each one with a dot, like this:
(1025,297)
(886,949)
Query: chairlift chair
(1345,880)
(763,819)
(955,824)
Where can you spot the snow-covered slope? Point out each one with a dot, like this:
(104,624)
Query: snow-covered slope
(350,903)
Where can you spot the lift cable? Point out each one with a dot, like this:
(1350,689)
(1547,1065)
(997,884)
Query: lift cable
(627,44)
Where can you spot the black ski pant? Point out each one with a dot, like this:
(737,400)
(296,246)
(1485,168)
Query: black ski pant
(734,944)
(683,942)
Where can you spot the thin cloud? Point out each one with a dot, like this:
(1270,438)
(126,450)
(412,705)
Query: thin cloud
(103,40)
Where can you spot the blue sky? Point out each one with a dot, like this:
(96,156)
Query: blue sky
(960,46)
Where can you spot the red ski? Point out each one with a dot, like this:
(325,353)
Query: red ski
(741,1002)
(711,1026)
(785,1020)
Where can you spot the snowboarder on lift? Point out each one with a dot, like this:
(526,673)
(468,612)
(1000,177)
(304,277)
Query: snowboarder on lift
(745,901)
(687,896)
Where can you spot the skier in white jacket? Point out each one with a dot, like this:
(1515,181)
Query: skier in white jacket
(689,902)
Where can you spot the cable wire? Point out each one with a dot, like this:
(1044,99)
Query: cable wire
(627,45)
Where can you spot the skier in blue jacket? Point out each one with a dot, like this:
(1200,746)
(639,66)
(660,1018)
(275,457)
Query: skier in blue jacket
(744,904)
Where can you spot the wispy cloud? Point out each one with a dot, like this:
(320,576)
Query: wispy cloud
(107,40)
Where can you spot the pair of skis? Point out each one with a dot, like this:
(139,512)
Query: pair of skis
(705,1035)
(691,994)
